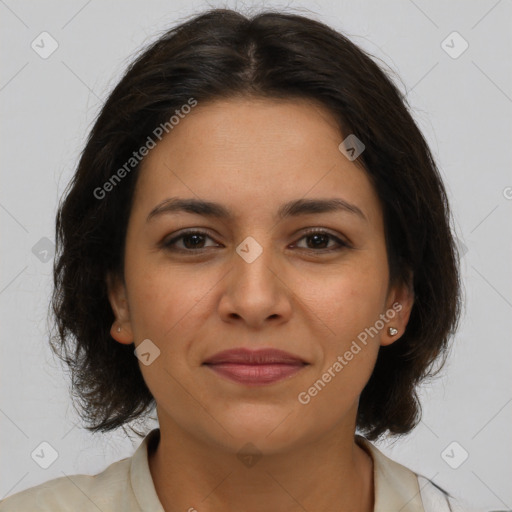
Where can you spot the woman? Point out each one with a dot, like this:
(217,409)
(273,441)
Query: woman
(257,244)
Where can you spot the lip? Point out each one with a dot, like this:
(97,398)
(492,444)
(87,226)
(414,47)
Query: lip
(254,357)
(255,367)
(256,374)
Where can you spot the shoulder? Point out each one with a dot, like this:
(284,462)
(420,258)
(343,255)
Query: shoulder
(125,485)
(75,492)
(398,486)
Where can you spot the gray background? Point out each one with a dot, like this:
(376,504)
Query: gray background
(463,106)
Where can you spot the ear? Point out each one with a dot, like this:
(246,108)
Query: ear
(400,300)
(121,329)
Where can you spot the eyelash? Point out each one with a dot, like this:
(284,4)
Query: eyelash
(167,245)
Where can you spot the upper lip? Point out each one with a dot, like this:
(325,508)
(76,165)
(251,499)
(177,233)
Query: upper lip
(248,356)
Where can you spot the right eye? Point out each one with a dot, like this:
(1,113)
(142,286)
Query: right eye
(191,240)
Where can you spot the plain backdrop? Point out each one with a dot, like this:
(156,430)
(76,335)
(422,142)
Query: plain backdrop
(462,101)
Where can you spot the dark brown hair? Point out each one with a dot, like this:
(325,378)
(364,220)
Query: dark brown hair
(222,54)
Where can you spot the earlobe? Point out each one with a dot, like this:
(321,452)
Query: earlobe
(121,329)
(121,335)
(399,307)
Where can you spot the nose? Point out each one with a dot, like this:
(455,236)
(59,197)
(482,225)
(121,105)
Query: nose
(255,290)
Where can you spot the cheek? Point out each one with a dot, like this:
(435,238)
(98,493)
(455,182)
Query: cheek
(349,299)
(166,300)
(349,305)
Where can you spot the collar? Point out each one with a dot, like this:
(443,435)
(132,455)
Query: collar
(395,486)
(140,474)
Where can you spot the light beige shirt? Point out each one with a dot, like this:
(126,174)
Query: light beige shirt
(127,486)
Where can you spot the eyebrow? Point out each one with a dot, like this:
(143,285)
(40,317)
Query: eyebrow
(293,208)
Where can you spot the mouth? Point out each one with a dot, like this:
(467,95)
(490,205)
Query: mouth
(255,367)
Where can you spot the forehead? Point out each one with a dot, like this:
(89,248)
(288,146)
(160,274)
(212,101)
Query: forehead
(253,153)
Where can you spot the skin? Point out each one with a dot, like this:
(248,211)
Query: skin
(252,155)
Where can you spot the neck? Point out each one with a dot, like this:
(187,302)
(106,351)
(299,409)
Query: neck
(334,473)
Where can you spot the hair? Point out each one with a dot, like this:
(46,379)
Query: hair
(222,54)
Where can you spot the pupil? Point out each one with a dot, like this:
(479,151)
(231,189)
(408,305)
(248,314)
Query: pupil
(318,240)
(194,244)
(317,237)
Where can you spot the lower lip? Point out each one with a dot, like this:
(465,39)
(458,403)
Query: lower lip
(256,374)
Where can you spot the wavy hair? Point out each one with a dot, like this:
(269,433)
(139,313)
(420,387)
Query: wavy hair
(218,54)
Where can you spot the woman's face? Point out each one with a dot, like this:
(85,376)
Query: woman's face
(255,279)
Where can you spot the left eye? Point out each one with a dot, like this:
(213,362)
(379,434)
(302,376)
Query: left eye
(192,241)
(320,238)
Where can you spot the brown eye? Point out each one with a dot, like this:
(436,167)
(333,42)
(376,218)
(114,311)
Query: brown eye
(192,241)
(319,241)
